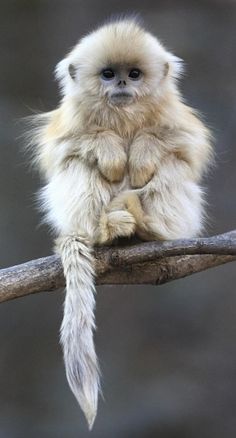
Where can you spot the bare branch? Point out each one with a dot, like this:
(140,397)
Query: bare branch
(140,263)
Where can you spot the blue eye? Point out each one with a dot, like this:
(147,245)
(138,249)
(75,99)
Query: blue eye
(135,73)
(108,74)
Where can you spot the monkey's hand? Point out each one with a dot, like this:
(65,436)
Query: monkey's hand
(143,160)
(111,158)
(106,150)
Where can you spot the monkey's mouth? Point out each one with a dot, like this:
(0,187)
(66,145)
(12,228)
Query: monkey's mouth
(121,98)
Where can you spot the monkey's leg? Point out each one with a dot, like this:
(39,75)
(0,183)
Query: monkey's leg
(173,202)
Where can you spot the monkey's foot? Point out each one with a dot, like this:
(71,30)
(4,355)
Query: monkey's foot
(114,224)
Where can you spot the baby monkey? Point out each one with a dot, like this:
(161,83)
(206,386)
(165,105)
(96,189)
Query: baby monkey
(122,154)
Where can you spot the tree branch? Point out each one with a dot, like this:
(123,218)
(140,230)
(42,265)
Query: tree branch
(140,263)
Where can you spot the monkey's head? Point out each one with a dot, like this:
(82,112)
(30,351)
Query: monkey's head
(118,64)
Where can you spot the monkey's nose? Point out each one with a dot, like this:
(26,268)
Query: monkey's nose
(121,83)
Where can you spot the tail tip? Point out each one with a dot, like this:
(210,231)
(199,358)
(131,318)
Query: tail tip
(90,417)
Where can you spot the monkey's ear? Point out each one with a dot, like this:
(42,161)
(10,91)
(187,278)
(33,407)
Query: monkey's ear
(173,66)
(61,70)
(72,71)
(65,74)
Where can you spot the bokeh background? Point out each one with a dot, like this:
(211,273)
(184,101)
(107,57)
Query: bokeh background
(168,354)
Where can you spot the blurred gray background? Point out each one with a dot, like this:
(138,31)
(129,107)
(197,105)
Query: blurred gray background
(168,354)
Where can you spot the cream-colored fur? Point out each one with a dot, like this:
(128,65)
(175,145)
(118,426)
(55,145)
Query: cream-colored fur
(115,169)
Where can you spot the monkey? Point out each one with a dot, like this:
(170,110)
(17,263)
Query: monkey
(122,154)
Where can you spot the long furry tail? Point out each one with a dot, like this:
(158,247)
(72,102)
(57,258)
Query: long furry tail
(78,324)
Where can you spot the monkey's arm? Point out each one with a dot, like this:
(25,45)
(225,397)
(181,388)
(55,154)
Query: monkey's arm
(172,200)
(58,146)
(189,141)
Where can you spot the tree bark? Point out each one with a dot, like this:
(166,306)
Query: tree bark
(139,263)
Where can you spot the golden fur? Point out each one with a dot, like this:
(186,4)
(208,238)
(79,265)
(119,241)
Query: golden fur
(115,169)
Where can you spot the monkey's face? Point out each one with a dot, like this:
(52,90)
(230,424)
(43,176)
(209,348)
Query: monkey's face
(121,83)
(118,64)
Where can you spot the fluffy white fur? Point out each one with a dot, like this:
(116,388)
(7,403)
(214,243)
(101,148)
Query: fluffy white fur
(114,170)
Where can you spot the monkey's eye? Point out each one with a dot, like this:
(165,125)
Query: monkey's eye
(108,74)
(135,73)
